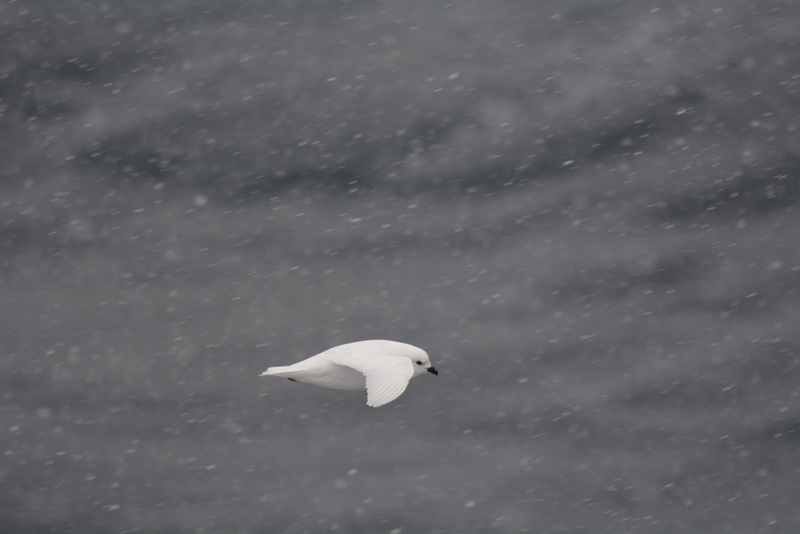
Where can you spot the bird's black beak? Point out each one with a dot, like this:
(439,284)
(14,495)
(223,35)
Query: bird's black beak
(433,370)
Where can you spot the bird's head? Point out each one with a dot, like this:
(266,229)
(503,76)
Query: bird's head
(422,363)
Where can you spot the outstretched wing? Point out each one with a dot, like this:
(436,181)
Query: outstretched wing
(387,376)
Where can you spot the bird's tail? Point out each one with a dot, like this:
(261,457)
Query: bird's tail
(278,371)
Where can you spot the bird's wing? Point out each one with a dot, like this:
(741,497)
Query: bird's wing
(387,376)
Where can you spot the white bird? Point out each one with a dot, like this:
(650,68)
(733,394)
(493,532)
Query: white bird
(381,367)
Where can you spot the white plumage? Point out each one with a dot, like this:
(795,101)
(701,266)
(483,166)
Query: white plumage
(382,367)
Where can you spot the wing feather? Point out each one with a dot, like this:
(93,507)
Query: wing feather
(387,376)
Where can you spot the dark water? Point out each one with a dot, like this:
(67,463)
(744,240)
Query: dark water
(587,213)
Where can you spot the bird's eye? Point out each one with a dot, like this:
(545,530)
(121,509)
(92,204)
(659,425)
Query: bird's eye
(419,362)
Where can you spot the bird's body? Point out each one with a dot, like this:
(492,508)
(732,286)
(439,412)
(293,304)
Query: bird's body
(381,367)
(322,373)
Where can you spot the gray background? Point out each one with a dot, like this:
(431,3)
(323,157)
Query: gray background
(586,212)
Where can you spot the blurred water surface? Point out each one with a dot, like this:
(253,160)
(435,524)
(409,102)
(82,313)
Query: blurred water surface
(586,212)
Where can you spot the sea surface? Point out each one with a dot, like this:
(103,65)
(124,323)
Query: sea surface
(588,213)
